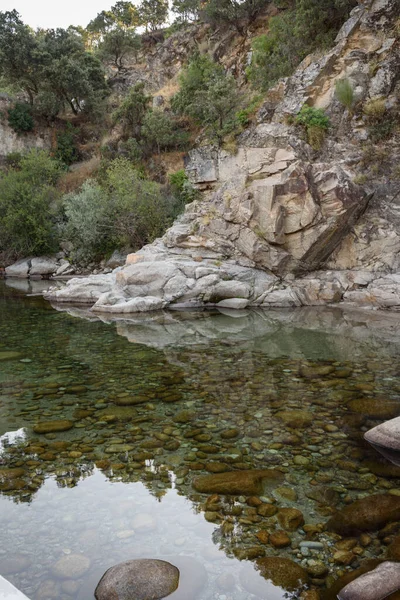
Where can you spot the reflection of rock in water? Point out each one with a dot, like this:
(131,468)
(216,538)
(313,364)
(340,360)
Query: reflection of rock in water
(305,332)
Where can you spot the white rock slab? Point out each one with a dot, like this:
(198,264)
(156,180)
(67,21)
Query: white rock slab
(9,592)
(374,585)
(386,434)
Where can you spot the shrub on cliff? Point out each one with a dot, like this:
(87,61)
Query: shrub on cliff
(209,96)
(315,123)
(305,27)
(29,205)
(20,118)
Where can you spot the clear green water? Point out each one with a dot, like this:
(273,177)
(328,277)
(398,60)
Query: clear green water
(118,484)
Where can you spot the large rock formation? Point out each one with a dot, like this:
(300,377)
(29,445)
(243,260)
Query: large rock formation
(279,223)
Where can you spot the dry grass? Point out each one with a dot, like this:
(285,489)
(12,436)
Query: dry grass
(73,180)
(169,90)
(173,161)
(375,109)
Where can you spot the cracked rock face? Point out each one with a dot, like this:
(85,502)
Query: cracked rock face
(279,224)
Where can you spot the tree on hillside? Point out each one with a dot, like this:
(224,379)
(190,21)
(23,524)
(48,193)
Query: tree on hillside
(132,111)
(67,70)
(208,95)
(126,14)
(239,13)
(18,54)
(117,44)
(153,13)
(187,10)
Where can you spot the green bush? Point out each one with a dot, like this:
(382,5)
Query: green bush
(130,114)
(308,25)
(67,150)
(160,132)
(13,160)
(87,227)
(121,210)
(316,124)
(20,118)
(29,206)
(313,117)
(345,93)
(209,96)
(132,149)
(182,188)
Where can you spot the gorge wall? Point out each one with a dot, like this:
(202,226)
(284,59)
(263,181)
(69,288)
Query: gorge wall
(280,223)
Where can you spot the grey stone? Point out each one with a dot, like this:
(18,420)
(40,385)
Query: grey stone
(19,269)
(374,585)
(138,580)
(386,434)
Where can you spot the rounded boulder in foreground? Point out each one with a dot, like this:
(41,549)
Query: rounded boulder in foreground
(144,579)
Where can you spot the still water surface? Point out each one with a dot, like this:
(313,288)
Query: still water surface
(149,405)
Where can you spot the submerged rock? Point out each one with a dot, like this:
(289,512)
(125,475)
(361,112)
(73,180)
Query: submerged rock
(72,566)
(369,513)
(374,585)
(236,483)
(53,426)
(9,355)
(272,573)
(386,434)
(375,408)
(138,580)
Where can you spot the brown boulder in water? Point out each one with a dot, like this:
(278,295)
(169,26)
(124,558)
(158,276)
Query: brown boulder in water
(370,513)
(237,483)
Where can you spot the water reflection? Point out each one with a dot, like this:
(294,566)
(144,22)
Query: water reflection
(145,407)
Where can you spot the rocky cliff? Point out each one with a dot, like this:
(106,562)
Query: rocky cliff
(13,142)
(280,223)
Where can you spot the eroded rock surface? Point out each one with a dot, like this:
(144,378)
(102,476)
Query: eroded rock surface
(279,223)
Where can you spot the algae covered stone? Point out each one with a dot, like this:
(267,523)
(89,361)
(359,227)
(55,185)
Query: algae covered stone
(9,355)
(143,579)
(273,575)
(247,483)
(53,426)
(370,513)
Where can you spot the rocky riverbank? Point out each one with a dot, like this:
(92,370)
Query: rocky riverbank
(280,223)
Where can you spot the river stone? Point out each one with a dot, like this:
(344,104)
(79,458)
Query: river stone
(15,473)
(393,551)
(273,578)
(386,434)
(143,579)
(131,400)
(374,585)
(382,468)
(238,483)
(370,513)
(14,563)
(71,566)
(375,408)
(295,418)
(9,355)
(316,372)
(290,518)
(53,426)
